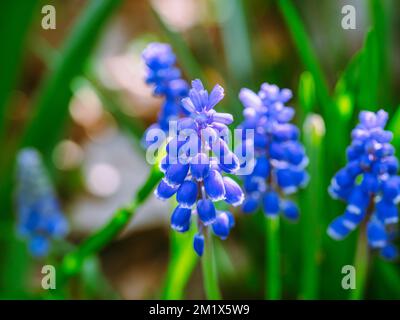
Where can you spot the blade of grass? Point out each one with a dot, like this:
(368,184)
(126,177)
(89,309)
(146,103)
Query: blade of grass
(52,103)
(382,21)
(182,262)
(387,274)
(111,103)
(51,108)
(185,57)
(14,263)
(361,264)
(306,94)
(348,81)
(312,206)
(209,268)
(369,73)
(235,37)
(15,19)
(108,98)
(394,126)
(236,41)
(306,53)
(73,261)
(273,289)
(311,63)
(192,68)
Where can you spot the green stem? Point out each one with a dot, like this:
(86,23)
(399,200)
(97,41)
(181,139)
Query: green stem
(272,261)
(210,279)
(312,206)
(361,265)
(72,262)
(181,264)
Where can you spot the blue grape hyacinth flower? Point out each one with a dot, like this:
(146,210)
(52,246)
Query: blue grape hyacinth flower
(280,159)
(369,184)
(194,166)
(166,80)
(40,218)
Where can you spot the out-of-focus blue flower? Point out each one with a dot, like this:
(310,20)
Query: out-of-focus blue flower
(369,184)
(40,218)
(280,159)
(197,158)
(166,80)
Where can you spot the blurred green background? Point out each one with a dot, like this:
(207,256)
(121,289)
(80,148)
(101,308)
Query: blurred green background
(77,94)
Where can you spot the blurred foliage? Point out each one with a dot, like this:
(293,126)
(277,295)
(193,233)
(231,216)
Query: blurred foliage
(240,44)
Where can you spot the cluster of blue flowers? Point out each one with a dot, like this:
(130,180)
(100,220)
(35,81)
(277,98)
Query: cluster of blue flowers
(199,154)
(39,214)
(166,79)
(280,159)
(196,159)
(369,184)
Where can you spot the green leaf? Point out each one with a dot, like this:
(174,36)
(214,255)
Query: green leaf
(192,68)
(189,63)
(182,262)
(306,92)
(73,261)
(15,19)
(348,82)
(312,206)
(236,41)
(369,73)
(394,126)
(381,15)
(51,108)
(307,55)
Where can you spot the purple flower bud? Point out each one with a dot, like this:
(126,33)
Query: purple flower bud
(164,190)
(358,201)
(387,212)
(223,224)
(200,166)
(250,205)
(180,218)
(198,244)
(214,186)
(250,99)
(225,118)
(216,95)
(176,173)
(389,252)
(337,229)
(287,180)
(370,183)
(187,194)
(206,211)
(285,115)
(39,246)
(376,234)
(261,168)
(351,220)
(290,210)
(271,203)
(233,193)
(285,132)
